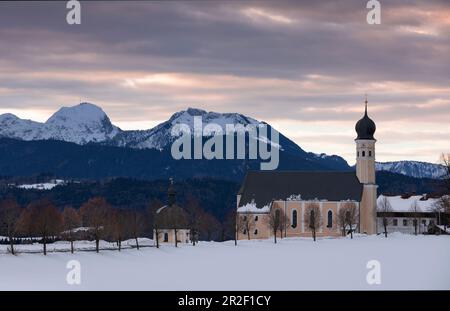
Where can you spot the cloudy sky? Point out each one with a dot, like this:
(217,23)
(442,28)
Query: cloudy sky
(302,66)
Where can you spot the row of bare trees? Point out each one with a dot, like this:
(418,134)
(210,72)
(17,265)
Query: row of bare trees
(97,220)
(278,221)
(42,219)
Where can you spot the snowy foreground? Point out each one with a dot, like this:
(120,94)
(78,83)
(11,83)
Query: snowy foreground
(407,262)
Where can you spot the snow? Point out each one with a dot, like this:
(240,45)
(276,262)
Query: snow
(86,123)
(42,186)
(79,124)
(407,262)
(404,205)
(251,208)
(443,228)
(413,168)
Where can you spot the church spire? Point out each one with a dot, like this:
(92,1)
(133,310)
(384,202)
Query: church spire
(366,105)
(171,193)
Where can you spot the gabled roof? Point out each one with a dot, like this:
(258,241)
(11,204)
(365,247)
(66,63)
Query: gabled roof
(265,186)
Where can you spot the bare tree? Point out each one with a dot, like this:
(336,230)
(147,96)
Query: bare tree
(194,213)
(9,217)
(445,159)
(275,221)
(415,213)
(152,211)
(43,219)
(209,226)
(351,215)
(177,220)
(384,208)
(136,224)
(341,220)
(313,218)
(284,220)
(95,215)
(71,221)
(248,223)
(117,226)
(442,210)
(234,224)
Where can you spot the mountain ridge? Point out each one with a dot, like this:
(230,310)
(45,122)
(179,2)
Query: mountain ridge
(87,123)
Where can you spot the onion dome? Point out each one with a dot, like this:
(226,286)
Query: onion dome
(365,127)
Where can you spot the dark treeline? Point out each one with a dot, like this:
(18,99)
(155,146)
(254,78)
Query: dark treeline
(216,197)
(97,220)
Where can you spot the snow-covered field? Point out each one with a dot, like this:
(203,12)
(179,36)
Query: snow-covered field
(407,262)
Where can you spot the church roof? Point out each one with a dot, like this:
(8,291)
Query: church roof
(263,187)
(365,127)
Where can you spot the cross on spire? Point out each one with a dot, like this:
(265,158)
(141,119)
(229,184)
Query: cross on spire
(366,104)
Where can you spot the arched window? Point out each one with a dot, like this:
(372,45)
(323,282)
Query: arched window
(363,153)
(166,237)
(370,153)
(330,219)
(294,219)
(256,231)
(256,218)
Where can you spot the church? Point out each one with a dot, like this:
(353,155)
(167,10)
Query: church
(292,192)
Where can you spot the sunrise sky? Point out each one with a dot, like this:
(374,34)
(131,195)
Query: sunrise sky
(302,66)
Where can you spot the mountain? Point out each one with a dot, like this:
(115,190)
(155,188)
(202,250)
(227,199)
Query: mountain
(160,136)
(413,168)
(87,123)
(80,124)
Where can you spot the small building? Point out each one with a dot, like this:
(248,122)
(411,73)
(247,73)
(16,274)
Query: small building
(402,218)
(171,221)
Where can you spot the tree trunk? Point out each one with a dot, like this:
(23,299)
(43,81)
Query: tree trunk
(119,243)
(235,237)
(275,236)
(71,246)
(97,243)
(137,242)
(248,234)
(176,238)
(314,234)
(11,243)
(45,245)
(157,238)
(385,231)
(351,230)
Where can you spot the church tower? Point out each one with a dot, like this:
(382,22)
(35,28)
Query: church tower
(365,171)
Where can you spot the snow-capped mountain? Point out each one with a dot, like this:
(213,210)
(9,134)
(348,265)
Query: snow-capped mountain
(413,168)
(88,123)
(160,136)
(13,127)
(79,124)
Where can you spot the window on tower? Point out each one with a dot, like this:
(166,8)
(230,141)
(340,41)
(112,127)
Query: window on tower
(363,153)
(370,153)
(357,153)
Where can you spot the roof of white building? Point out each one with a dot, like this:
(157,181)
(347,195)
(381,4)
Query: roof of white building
(251,208)
(400,204)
